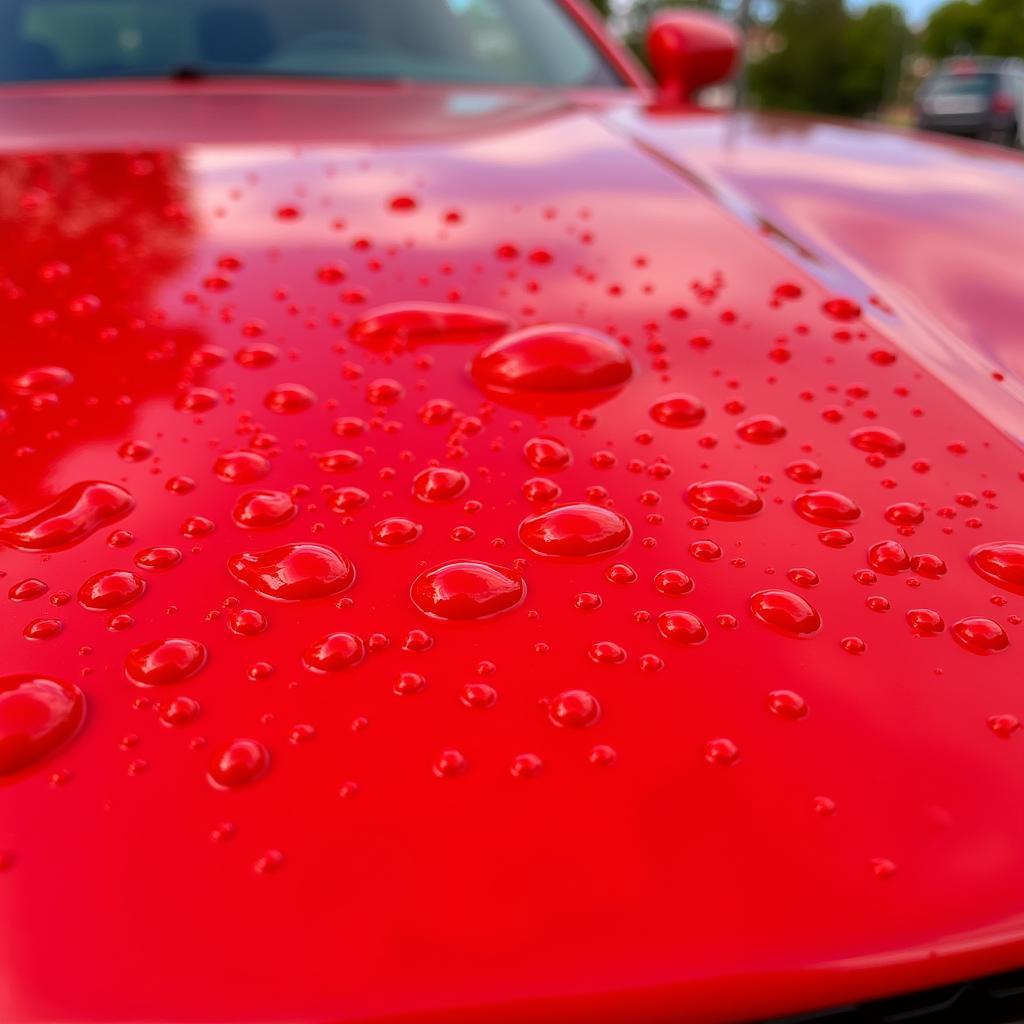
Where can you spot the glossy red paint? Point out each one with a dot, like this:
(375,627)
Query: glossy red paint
(714,768)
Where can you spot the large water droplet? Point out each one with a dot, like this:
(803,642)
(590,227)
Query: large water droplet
(241,467)
(1001,564)
(980,635)
(575,531)
(439,484)
(294,572)
(724,499)
(788,613)
(826,507)
(78,512)
(112,588)
(260,510)
(335,653)
(467,590)
(406,324)
(682,628)
(574,709)
(238,763)
(163,662)
(555,359)
(878,440)
(678,411)
(288,399)
(37,715)
(888,557)
(761,429)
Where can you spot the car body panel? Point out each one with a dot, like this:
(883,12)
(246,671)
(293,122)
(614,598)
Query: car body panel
(871,847)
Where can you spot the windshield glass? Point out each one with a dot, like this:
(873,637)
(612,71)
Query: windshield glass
(983,84)
(485,41)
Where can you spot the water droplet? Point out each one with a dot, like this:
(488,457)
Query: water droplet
(925,622)
(786,612)
(1001,564)
(841,309)
(288,399)
(761,429)
(1004,726)
(238,763)
(526,766)
(241,467)
(294,572)
(888,557)
(980,635)
(179,712)
(78,512)
(678,411)
(878,440)
(157,559)
(574,709)
(682,627)
(439,484)
(673,582)
(260,510)
(553,359)
(547,453)
(112,588)
(450,763)
(27,590)
(43,629)
(721,752)
(575,531)
(724,499)
(787,704)
(826,507)
(395,531)
(37,715)
(247,621)
(408,324)
(163,662)
(335,653)
(479,696)
(467,590)
(607,652)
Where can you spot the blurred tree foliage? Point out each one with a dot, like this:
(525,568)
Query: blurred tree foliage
(994,27)
(825,59)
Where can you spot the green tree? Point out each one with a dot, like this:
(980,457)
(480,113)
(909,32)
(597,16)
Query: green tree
(992,27)
(955,27)
(828,61)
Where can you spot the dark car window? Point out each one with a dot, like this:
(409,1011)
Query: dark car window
(486,41)
(981,84)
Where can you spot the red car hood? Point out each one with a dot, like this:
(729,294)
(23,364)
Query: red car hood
(643,826)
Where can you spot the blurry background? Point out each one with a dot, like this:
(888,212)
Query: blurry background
(856,58)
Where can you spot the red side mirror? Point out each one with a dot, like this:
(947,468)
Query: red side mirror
(688,51)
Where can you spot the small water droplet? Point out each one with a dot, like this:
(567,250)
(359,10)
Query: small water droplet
(112,588)
(980,635)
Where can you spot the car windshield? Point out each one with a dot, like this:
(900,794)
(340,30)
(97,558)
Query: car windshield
(480,41)
(982,84)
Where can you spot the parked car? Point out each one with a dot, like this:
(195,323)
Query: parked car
(486,539)
(979,97)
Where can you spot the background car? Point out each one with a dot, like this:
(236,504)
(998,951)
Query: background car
(978,97)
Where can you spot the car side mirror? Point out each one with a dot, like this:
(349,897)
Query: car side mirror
(689,50)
